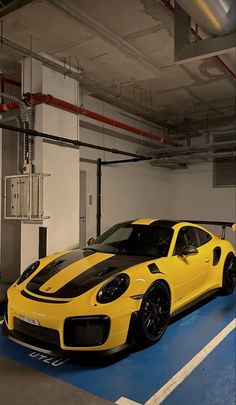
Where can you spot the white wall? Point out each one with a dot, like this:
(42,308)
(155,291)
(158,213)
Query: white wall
(61,197)
(140,190)
(128,190)
(134,191)
(193,197)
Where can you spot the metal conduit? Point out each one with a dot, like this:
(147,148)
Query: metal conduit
(229,145)
(72,142)
(189,158)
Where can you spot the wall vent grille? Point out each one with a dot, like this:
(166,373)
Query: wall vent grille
(224,169)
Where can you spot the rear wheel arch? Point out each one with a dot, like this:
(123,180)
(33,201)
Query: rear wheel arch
(228,284)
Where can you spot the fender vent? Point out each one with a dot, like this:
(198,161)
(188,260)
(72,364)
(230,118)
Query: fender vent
(153,268)
(216,255)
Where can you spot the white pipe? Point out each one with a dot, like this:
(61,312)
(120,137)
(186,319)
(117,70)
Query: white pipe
(216,17)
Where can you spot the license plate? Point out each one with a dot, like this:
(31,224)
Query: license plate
(29,320)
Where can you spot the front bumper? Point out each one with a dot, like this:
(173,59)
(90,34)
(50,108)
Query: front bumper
(55,350)
(58,331)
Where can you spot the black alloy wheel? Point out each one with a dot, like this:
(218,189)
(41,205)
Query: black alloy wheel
(229,274)
(154,313)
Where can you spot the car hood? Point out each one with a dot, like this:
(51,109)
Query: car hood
(76,272)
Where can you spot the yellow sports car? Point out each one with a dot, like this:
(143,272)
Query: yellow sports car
(119,291)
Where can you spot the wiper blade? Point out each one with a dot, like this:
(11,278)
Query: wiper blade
(90,248)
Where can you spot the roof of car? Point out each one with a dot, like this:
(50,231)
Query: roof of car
(155,222)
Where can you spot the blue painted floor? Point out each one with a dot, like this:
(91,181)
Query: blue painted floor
(213,381)
(141,374)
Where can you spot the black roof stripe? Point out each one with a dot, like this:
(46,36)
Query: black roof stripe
(164,222)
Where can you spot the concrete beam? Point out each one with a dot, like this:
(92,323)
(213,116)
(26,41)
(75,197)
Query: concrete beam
(14,5)
(72,9)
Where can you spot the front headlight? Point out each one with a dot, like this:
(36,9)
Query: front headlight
(113,289)
(27,273)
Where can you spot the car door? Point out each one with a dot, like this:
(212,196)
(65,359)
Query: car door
(190,272)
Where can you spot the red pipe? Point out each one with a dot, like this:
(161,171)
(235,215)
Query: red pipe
(55,102)
(64,105)
(4,107)
(168,4)
(2,90)
(225,66)
(219,60)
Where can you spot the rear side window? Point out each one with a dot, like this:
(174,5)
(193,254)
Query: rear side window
(186,236)
(203,236)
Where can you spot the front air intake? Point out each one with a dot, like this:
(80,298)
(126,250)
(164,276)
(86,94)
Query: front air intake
(86,331)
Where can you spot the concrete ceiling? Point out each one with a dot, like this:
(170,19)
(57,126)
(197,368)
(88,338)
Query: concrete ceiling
(129,47)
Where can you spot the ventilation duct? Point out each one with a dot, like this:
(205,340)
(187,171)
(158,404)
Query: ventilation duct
(216,17)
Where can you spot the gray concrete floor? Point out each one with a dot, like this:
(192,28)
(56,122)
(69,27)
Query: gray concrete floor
(20,385)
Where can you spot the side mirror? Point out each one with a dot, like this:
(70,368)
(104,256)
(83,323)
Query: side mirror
(90,241)
(188,250)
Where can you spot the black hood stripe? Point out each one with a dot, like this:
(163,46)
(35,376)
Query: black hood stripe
(91,277)
(56,266)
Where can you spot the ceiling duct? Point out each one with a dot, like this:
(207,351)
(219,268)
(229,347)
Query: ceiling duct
(216,17)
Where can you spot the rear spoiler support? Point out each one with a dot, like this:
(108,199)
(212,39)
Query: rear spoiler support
(223,225)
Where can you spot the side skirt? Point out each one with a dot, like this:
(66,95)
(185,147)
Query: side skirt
(195,302)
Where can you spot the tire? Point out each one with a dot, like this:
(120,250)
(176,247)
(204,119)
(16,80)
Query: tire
(154,314)
(229,275)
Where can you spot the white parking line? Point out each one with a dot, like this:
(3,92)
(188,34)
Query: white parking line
(126,401)
(179,377)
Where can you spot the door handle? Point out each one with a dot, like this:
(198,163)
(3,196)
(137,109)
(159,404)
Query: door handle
(207,260)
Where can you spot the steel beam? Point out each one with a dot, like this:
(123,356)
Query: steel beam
(186,51)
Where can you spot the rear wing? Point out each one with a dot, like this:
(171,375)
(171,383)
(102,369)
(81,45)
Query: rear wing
(223,225)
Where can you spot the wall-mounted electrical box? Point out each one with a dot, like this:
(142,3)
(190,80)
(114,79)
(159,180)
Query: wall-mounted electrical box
(23,197)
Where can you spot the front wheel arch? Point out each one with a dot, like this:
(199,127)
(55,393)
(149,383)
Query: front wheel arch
(155,311)
(161,280)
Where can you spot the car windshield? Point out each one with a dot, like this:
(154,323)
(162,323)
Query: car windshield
(138,240)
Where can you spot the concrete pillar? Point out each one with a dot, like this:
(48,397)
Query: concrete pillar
(61,189)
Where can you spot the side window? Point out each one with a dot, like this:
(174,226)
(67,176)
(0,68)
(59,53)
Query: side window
(203,236)
(186,236)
